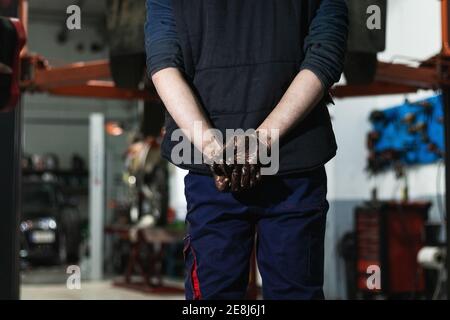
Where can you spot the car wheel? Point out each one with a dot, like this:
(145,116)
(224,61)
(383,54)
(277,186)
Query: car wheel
(72,235)
(62,250)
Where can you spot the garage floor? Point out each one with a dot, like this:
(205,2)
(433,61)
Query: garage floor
(89,291)
(50,284)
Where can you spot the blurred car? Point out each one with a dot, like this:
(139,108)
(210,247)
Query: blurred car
(50,227)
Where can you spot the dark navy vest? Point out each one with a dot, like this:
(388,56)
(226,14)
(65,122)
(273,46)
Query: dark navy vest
(240,56)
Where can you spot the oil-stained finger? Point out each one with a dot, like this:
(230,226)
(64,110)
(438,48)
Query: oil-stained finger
(222,183)
(245,176)
(236,179)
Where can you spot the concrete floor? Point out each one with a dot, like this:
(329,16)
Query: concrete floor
(103,290)
(49,283)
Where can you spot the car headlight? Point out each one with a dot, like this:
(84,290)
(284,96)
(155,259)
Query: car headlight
(48,223)
(26,225)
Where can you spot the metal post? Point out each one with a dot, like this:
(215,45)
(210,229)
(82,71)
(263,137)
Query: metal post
(10,159)
(446,103)
(10,186)
(96,193)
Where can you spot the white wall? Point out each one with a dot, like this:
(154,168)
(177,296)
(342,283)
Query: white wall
(413,31)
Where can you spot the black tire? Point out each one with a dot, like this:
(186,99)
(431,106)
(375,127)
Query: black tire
(71,227)
(360,67)
(127,70)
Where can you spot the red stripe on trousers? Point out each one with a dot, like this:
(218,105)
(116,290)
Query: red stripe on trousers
(194,278)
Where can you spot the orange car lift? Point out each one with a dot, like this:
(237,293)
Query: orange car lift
(88,79)
(81,79)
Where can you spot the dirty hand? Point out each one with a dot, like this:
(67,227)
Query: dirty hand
(241,167)
(214,158)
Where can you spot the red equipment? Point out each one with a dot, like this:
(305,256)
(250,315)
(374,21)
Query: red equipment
(389,235)
(13,39)
(445,9)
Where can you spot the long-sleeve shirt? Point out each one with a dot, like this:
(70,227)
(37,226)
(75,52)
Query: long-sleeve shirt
(161,41)
(324,46)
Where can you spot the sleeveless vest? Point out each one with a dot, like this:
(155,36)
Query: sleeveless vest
(240,56)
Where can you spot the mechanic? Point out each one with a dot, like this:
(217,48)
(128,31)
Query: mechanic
(265,65)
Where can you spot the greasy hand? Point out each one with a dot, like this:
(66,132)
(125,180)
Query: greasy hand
(221,177)
(215,159)
(236,166)
(242,167)
(242,160)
